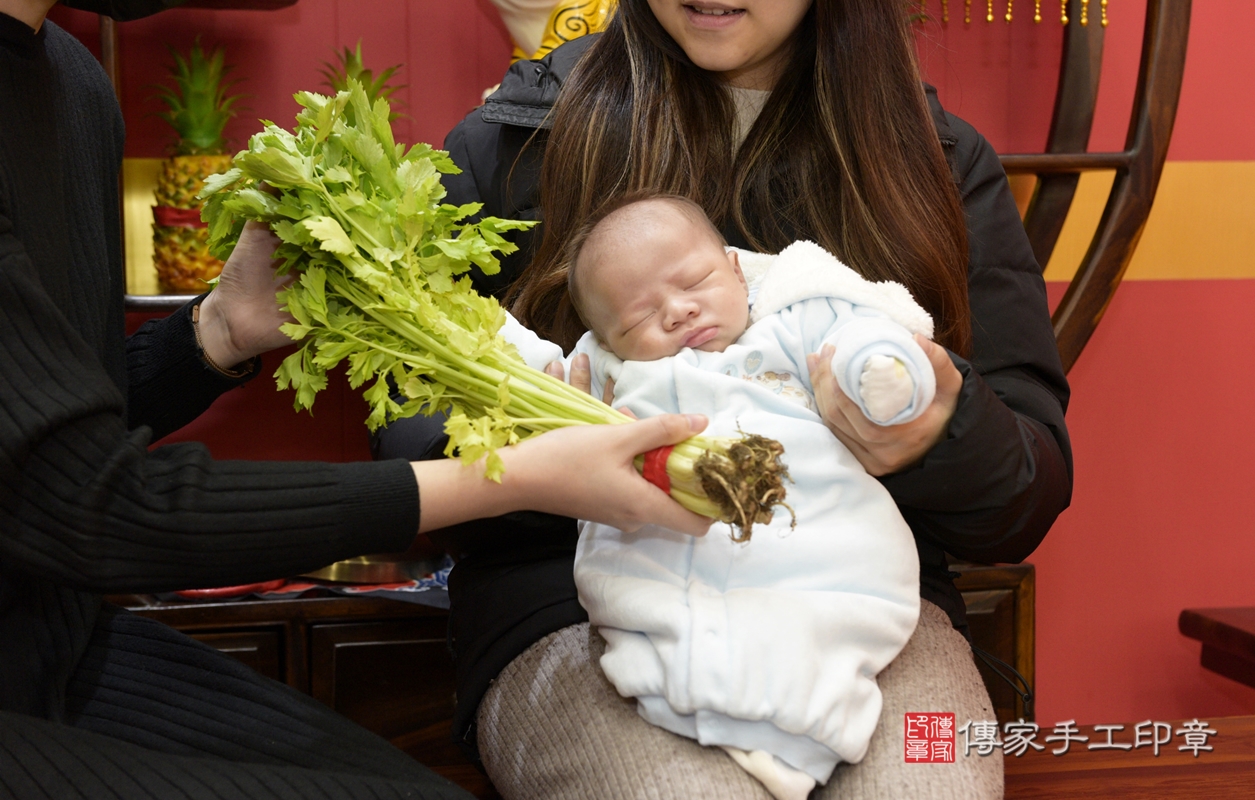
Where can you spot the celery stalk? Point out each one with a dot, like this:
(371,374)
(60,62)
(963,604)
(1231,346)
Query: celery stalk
(382,284)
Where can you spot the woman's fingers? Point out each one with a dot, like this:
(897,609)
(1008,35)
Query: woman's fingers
(244,302)
(582,374)
(949,380)
(828,394)
(651,505)
(581,377)
(587,472)
(662,430)
(856,447)
(883,450)
(252,261)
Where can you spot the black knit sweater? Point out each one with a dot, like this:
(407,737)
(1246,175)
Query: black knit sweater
(85,507)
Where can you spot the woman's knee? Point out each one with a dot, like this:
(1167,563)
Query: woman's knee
(935,672)
(552,726)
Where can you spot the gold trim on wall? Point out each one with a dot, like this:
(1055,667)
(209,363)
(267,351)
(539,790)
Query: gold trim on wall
(139,181)
(1200,226)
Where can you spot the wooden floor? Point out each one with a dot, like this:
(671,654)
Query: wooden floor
(1227,771)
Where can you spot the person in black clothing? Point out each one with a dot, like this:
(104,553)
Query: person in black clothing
(95,701)
(815,128)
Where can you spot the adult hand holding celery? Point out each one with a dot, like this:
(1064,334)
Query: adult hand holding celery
(382,266)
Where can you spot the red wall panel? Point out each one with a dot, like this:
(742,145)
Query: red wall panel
(1162,511)
(451,52)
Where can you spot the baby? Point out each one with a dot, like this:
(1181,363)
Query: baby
(769,649)
(653,277)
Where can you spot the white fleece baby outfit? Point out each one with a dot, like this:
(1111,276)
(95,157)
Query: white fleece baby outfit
(768,648)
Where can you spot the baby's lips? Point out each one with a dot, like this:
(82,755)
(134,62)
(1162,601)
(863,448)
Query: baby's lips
(700,336)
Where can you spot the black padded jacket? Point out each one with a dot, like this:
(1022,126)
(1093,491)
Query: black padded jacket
(987,493)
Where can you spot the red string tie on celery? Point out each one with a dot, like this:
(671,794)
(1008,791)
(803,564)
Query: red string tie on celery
(656,467)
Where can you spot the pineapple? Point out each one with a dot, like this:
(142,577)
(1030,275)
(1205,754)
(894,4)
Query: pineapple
(198,109)
(349,65)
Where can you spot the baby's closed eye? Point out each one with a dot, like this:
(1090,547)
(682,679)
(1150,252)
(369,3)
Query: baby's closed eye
(638,323)
(700,281)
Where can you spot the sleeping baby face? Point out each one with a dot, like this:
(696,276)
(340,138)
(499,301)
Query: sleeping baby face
(653,278)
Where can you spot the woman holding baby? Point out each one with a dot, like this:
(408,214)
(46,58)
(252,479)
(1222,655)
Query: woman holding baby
(783,120)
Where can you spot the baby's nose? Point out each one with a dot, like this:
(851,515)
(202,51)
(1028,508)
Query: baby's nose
(679,310)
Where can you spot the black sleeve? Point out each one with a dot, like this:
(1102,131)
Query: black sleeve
(168,383)
(990,491)
(85,503)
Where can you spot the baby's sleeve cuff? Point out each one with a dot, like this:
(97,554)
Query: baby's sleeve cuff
(860,340)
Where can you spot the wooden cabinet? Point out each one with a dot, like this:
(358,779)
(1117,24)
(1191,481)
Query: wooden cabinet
(385,664)
(260,649)
(395,678)
(381,663)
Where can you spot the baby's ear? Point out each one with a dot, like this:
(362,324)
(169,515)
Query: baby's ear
(735,261)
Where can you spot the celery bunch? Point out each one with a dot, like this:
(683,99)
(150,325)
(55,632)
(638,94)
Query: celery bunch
(382,266)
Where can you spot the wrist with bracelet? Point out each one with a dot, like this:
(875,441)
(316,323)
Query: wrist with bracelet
(235,374)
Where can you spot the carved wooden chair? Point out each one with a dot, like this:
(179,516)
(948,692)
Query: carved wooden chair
(1138,167)
(1001,599)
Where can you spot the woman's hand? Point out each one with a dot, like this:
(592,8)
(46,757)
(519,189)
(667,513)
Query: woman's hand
(584,471)
(241,317)
(884,450)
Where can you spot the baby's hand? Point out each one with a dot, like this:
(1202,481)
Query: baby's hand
(886,388)
(884,450)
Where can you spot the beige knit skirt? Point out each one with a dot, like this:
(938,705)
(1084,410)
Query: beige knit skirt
(551,726)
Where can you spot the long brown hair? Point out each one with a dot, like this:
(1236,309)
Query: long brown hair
(844,153)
